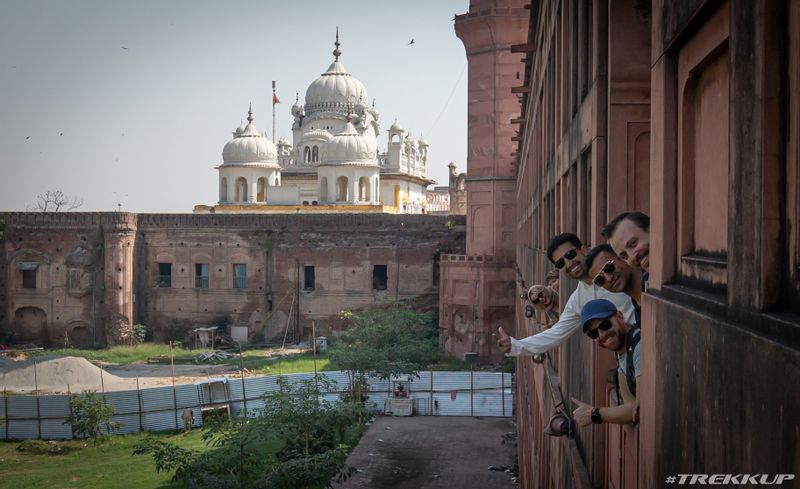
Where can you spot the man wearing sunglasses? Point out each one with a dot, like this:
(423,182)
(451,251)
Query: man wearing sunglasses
(566,252)
(629,234)
(607,270)
(603,323)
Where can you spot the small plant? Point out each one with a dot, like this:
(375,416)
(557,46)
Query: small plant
(139,333)
(89,414)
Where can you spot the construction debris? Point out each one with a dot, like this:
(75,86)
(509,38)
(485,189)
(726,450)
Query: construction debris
(213,356)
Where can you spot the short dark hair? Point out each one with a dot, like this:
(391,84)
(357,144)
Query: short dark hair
(559,240)
(639,218)
(587,262)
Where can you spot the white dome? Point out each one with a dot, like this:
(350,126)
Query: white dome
(336,88)
(396,127)
(249,147)
(348,148)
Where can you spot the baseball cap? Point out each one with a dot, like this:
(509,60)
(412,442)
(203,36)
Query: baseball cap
(596,309)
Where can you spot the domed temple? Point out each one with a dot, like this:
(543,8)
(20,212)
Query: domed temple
(333,162)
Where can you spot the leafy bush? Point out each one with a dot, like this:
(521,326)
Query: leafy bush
(89,414)
(296,440)
(139,333)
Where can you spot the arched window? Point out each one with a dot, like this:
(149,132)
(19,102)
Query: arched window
(315,154)
(363,189)
(261,196)
(306,154)
(223,190)
(241,189)
(342,194)
(323,189)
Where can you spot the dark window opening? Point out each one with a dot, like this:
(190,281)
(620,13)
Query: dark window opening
(309,282)
(201,275)
(239,276)
(379,277)
(29,279)
(164,275)
(436,272)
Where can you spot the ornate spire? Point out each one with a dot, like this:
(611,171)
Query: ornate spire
(250,113)
(297,97)
(337,52)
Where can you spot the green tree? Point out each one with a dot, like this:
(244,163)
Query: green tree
(384,342)
(89,414)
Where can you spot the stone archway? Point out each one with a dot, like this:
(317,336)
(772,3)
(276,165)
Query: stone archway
(30,325)
(80,335)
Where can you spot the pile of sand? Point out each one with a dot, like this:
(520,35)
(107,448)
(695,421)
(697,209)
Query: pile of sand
(53,374)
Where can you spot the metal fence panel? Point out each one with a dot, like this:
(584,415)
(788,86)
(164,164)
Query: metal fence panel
(129,423)
(55,429)
(157,399)
(160,421)
(123,402)
(187,396)
(23,429)
(23,407)
(54,406)
(435,393)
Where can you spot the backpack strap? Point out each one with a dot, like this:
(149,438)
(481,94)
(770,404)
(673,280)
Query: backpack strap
(631,341)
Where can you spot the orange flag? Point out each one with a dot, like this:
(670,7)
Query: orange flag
(275,99)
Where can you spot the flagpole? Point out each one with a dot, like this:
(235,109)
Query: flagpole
(273,111)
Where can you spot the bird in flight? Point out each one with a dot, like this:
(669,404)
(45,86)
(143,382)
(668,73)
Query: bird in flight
(123,47)
(28,137)
(412,42)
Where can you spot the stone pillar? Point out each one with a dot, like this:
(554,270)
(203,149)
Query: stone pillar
(118,253)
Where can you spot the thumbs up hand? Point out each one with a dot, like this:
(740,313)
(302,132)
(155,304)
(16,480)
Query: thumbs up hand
(503,340)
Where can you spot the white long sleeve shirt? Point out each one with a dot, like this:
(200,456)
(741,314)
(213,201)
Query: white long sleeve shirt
(570,320)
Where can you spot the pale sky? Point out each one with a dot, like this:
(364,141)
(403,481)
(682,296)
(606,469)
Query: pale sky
(131,102)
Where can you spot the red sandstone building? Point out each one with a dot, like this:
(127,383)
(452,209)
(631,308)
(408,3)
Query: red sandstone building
(688,111)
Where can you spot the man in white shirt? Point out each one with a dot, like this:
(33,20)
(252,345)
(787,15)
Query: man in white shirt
(566,251)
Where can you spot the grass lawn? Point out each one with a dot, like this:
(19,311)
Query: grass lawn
(109,465)
(252,359)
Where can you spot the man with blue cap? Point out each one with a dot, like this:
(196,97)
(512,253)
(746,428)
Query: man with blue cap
(602,322)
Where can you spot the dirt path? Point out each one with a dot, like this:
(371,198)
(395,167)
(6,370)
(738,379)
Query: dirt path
(431,452)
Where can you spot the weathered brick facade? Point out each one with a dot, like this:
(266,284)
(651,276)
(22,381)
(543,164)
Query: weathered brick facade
(95,275)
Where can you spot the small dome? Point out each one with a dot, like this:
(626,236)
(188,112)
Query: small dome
(249,147)
(239,130)
(423,142)
(348,147)
(284,142)
(396,127)
(336,88)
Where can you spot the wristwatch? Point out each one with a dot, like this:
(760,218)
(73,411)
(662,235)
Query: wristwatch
(596,419)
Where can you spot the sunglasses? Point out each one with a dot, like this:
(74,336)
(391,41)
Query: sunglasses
(593,334)
(571,254)
(599,280)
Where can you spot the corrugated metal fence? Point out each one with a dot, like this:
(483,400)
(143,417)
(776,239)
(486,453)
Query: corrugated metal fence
(157,409)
